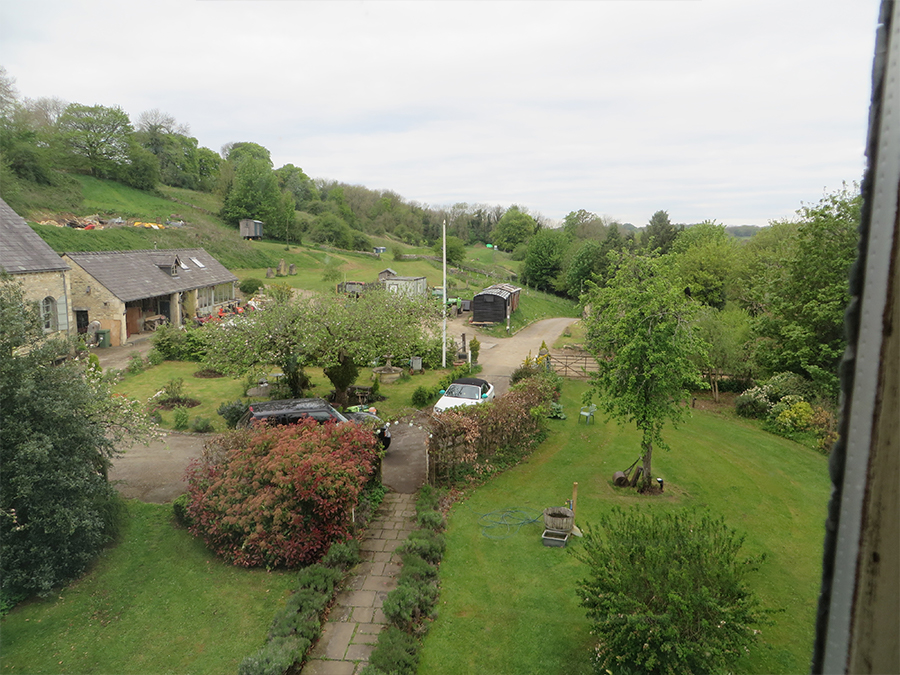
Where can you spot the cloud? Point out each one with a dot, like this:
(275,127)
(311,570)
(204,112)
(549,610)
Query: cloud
(736,111)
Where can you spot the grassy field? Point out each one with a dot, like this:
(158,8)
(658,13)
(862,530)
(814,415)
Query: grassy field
(508,605)
(246,259)
(158,602)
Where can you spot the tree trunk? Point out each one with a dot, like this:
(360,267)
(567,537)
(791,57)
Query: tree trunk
(342,376)
(648,456)
(715,385)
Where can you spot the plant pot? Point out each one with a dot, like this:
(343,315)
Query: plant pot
(555,538)
(559,518)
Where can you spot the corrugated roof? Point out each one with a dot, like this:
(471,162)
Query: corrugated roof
(22,251)
(135,275)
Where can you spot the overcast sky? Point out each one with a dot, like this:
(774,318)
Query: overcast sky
(734,110)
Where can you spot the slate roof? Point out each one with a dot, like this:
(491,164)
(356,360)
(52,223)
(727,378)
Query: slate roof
(22,251)
(135,275)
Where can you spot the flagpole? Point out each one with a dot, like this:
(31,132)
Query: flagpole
(444,305)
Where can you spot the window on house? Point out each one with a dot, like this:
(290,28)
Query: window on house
(197,262)
(48,313)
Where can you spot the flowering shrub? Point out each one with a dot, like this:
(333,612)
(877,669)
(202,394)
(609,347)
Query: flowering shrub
(279,496)
(753,403)
(790,415)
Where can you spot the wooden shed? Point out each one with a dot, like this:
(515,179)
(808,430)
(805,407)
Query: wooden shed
(251,229)
(495,303)
(407,285)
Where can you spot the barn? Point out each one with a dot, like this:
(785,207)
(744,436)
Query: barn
(495,303)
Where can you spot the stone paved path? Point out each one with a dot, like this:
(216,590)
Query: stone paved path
(356,619)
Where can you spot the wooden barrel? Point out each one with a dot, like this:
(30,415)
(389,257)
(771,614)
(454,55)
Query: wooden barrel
(620,479)
(559,518)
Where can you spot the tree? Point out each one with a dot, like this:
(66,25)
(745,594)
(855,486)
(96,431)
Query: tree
(640,328)
(585,264)
(660,233)
(667,593)
(254,192)
(97,137)
(61,427)
(514,228)
(728,333)
(705,257)
(543,259)
(803,328)
(456,250)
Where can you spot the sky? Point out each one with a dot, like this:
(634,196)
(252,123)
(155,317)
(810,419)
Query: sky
(740,111)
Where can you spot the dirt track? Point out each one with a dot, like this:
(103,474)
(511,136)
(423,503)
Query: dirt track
(155,472)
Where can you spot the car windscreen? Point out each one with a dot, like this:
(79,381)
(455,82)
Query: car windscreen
(469,391)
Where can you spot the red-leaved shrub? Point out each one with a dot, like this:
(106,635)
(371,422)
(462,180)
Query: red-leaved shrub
(279,496)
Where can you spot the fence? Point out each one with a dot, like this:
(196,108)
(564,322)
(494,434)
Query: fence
(573,365)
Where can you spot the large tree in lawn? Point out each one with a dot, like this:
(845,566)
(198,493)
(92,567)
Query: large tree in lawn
(640,328)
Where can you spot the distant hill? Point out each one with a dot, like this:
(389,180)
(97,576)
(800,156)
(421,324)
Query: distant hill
(742,231)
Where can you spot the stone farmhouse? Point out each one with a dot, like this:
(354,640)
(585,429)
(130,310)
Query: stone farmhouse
(43,274)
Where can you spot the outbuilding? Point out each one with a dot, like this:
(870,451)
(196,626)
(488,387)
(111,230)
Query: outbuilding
(495,304)
(407,285)
(129,292)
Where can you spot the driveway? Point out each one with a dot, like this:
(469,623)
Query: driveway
(155,472)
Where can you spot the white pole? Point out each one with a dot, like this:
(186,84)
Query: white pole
(444,306)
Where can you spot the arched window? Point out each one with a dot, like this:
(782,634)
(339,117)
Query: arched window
(48,313)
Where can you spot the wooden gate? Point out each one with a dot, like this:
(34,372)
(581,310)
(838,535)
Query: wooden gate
(580,364)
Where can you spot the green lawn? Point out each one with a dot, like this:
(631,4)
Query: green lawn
(509,605)
(158,602)
(212,392)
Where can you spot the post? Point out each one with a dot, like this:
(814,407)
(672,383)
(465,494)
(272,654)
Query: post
(444,303)
(574,497)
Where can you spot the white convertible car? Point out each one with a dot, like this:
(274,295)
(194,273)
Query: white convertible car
(465,391)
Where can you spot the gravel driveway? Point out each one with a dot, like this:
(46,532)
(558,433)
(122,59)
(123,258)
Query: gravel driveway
(155,472)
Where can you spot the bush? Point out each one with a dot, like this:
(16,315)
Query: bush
(179,343)
(342,554)
(474,349)
(135,363)
(753,403)
(666,593)
(425,543)
(556,412)
(319,578)
(279,496)
(423,396)
(428,499)
(181,418)
(233,412)
(431,520)
(395,654)
(250,285)
(275,658)
(409,603)
(173,391)
(416,569)
(788,384)
(201,425)
(155,357)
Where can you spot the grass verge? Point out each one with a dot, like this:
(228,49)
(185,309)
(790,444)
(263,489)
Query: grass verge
(158,602)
